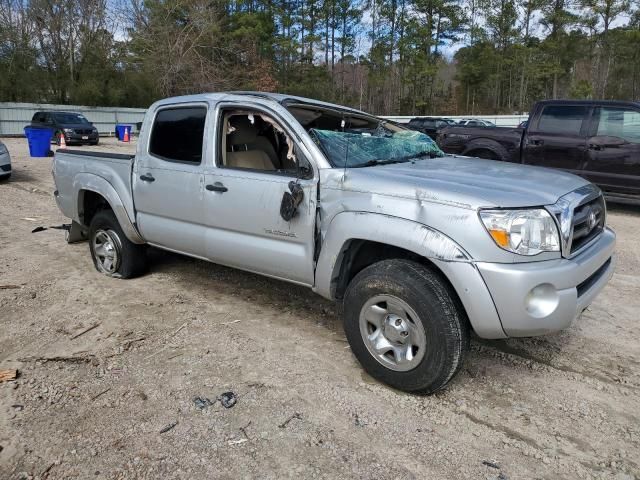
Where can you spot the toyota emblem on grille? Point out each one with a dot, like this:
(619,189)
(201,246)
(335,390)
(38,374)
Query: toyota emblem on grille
(592,220)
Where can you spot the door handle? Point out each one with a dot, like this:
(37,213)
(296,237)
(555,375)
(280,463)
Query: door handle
(217,187)
(536,142)
(595,146)
(147,178)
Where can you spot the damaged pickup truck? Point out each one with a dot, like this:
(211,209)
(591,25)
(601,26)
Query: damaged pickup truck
(419,247)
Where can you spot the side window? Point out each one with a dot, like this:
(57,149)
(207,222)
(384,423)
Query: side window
(36,117)
(619,122)
(563,119)
(177,134)
(255,141)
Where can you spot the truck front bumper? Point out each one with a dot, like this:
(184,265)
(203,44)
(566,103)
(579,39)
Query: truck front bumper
(536,298)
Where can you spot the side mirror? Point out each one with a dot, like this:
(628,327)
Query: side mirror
(290,201)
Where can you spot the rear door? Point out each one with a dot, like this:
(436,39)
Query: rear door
(557,138)
(613,149)
(168,179)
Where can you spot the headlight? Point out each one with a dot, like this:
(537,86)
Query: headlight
(3,149)
(68,130)
(525,232)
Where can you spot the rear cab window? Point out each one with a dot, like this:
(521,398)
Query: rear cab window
(562,119)
(177,134)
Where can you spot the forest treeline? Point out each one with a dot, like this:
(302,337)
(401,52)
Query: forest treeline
(385,56)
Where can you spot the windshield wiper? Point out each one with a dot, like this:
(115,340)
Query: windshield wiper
(424,153)
(375,162)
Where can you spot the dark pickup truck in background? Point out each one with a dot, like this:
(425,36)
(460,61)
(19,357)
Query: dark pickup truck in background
(598,140)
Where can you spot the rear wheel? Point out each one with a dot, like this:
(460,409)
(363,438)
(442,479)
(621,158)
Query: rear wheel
(405,325)
(112,252)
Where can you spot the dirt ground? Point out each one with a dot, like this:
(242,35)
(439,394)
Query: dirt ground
(99,404)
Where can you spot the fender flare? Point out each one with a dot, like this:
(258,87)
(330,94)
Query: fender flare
(94,183)
(486,144)
(449,257)
(398,232)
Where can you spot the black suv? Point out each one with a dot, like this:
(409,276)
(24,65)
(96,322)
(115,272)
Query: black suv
(429,125)
(74,126)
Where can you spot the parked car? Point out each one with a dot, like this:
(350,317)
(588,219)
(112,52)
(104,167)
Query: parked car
(419,248)
(5,162)
(430,125)
(598,140)
(74,126)
(475,122)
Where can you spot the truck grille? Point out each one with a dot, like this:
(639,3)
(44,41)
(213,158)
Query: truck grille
(588,222)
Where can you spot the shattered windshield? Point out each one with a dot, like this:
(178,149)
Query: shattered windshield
(378,147)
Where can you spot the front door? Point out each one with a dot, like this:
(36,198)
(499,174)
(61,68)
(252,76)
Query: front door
(613,155)
(168,182)
(256,163)
(558,138)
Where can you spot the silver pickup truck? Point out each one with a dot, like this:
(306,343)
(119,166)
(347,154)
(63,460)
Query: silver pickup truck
(419,247)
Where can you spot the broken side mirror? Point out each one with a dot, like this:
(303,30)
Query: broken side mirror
(291,200)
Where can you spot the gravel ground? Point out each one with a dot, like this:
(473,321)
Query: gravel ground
(118,400)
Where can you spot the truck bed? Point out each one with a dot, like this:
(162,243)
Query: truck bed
(91,170)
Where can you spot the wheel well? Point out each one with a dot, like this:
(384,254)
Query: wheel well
(91,203)
(359,254)
(496,151)
(477,152)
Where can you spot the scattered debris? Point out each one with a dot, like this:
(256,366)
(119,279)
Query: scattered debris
(237,442)
(175,356)
(502,476)
(228,399)
(179,328)
(358,422)
(8,375)
(296,415)
(38,229)
(18,407)
(79,359)
(95,325)
(100,394)
(169,427)
(202,402)
(491,464)
(9,287)
(30,219)
(230,323)
(244,430)
(126,345)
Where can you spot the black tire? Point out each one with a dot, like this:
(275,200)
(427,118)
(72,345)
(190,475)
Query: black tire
(445,324)
(95,143)
(130,259)
(4,177)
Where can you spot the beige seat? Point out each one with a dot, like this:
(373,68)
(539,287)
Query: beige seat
(245,148)
(256,159)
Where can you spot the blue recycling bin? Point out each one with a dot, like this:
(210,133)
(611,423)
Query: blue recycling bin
(39,141)
(120,130)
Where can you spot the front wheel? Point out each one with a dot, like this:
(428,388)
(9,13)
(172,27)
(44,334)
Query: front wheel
(112,252)
(405,325)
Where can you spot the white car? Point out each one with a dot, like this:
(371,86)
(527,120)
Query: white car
(476,122)
(5,162)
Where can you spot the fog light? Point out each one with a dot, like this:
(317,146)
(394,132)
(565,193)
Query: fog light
(542,300)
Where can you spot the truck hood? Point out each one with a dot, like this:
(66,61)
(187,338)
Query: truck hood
(466,182)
